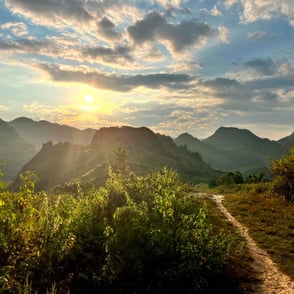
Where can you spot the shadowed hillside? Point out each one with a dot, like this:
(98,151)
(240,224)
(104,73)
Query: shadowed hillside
(39,132)
(146,151)
(234,149)
(13,150)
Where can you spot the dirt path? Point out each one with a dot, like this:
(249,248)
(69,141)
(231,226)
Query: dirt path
(272,280)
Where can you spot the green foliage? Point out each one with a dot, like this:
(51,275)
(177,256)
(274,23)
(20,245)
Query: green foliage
(231,178)
(283,169)
(137,234)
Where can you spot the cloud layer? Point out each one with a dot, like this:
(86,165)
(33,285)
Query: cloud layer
(173,65)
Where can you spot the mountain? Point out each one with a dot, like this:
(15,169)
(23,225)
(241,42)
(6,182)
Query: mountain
(240,139)
(146,151)
(287,143)
(39,132)
(232,149)
(286,140)
(14,151)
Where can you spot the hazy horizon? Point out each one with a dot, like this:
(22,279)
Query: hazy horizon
(194,135)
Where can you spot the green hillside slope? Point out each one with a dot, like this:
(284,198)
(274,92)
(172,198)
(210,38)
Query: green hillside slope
(146,151)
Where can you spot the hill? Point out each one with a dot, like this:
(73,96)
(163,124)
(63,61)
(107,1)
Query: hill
(232,149)
(287,143)
(39,132)
(146,151)
(14,151)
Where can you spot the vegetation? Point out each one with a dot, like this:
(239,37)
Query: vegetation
(145,151)
(232,149)
(137,234)
(269,218)
(231,178)
(257,204)
(283,169)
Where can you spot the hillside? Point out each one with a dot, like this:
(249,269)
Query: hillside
(39,132)
(287,143)
(232,149)
(13,150)
(146,151)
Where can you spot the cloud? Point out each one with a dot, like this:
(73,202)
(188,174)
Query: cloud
(214,11)
(259,94)
(59,48)
(18,29)
(53,12)
(256,35)
(155,27)
(262,69)
(3,108)
(261,66)
(145,30)
(107,29)
(117,54)
(229,3)
(25,45)
(117,83)
(224,34)
(254,10)
(169,3)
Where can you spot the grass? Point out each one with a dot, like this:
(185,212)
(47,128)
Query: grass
(270,220)
(242,274)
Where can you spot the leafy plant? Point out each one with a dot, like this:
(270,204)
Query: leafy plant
(283,169)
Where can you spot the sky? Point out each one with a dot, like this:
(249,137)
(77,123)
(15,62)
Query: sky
(172,65)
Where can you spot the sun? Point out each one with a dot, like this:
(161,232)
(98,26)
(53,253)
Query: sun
(88,99)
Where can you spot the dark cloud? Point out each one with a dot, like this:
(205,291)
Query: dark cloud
(116,83)
(68,9)
(25,45)
(154,26)
(55,48)
(145,30)
(107,29)
(185,34)
(109,54)
(264,94)
(262,66)
(273,83)
(221,84)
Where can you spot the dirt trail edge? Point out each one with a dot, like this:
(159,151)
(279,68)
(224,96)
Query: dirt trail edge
(273,281)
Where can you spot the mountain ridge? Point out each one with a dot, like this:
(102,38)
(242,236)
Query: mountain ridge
(146,152)
(42,131)
(232,149)
(227,149)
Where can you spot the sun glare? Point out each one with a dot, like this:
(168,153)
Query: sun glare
(89,99)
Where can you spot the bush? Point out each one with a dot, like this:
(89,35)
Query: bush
(283,169)
(135,235)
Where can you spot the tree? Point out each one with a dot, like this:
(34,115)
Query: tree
(283,169)
(120,161)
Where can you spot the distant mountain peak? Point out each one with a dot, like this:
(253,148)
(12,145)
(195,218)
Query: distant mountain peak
(230,135)
(186,139)
(23,120)
(140,137)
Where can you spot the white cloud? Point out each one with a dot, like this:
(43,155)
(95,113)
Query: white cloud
(3,108)
(215,11)
(223,33)
(229,3)
(254,10)
(18,29)
(168,3)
